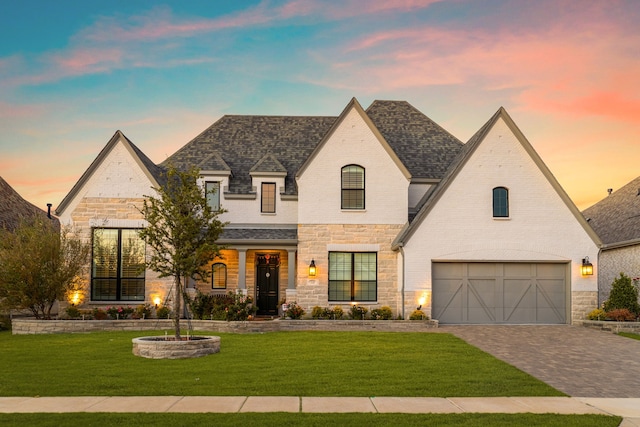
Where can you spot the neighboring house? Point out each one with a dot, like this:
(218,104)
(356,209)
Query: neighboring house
(616,220)
(387,206)
(13,208)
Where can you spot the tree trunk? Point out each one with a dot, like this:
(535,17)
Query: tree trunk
(177,308)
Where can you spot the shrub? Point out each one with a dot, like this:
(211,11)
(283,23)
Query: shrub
(624,294)
(418,315)
(337,312)
(597,314)
(73,312)
(163,312)
(5,322)
(201,305)
(319,313)
(334,313)
(357,312)
(382,313)
(99,314)
(119,312)
(142,311)
(620,315)
(237,306)
(294,311)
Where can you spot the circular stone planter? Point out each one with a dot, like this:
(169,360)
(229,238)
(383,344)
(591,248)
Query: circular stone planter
(168,348)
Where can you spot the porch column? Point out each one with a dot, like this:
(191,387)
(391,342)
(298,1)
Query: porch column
(242,269)
(292,268)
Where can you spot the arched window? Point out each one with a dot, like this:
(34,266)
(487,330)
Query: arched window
(500,202)
(218,276)
(352,187)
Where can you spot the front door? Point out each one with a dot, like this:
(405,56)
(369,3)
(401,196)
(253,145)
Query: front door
(267,274)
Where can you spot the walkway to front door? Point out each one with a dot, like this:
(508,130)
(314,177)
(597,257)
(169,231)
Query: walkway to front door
(267,273)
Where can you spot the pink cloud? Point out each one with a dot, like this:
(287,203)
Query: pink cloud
(86,60)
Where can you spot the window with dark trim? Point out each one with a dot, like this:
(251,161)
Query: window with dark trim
(500,202)
(118,265)
(352,187)
(218,276)
(353,276)
(268,197)
(212,189)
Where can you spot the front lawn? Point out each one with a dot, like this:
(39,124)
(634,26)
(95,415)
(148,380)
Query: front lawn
(630,335)
(272,364)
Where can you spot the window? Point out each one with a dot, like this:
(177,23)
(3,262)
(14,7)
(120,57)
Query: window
(352,187)
(500,202)
(213,194)
(353,276)
(117,267)
(218,276)
(268,195)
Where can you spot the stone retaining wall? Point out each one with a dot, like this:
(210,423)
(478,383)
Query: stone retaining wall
(33,326)
(615,327)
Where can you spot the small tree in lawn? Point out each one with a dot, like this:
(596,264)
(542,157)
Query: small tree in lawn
(182,232)
(39,263)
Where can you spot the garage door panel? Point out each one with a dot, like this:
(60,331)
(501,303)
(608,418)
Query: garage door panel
(499,293)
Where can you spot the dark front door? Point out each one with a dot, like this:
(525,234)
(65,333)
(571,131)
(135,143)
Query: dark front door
(267,283)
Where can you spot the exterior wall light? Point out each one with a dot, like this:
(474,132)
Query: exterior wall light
(312,269)
(157,300)
(587,268)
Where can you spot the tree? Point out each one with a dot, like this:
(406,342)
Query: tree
(182,232)
(39,263)
(623,295)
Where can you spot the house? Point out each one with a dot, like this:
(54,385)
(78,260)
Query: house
(385,205)
(616,220)
(13,208)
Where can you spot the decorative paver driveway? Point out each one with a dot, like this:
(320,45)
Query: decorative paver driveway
(578,361)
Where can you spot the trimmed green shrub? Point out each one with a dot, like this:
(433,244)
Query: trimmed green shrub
(597,314)
(418,315)
(294,311)
(142,311)
(358,312)
(337,312)
(382,313)
(624,294)
(73,312)
(163,312)
(319,313)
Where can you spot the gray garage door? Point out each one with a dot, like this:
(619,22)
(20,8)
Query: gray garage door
(517,293)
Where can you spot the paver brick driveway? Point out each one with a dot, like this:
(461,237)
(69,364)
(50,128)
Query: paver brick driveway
(578,361)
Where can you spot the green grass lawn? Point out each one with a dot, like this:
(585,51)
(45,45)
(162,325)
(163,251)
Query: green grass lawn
(308,420)
(282,363)
(630,335)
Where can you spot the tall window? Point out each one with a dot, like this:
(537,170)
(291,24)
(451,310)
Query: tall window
(353,276)
(268,195)
(213,194)
(117,268)
(500,202)
(352,187)
(218,276)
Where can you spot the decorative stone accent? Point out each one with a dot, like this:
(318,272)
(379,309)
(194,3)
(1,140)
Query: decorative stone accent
(582,303)
(615,327)
(170,348)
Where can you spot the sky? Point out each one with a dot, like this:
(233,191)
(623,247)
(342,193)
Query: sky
(72,72)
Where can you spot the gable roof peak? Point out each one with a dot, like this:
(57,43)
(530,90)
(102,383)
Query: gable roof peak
(268,163)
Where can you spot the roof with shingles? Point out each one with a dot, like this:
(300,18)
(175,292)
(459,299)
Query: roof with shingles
(616,218)
(283,143)
(13,207)
(262,234)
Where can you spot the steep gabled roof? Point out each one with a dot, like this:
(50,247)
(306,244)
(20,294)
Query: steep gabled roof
(214,162)
(154,172)
(425,148)
(268,164)
(465,154)
(616,218)
(13,207)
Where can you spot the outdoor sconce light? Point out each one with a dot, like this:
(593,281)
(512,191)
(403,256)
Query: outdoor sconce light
(157,301)
(312,269)
(587,267)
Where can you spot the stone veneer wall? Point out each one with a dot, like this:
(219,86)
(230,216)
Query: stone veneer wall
(113,210)
(582,303)
(312,244)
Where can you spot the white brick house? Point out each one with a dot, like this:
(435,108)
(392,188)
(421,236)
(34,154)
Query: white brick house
(391,209)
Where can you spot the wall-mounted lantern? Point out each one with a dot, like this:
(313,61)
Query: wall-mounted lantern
(312,269)
(587,268)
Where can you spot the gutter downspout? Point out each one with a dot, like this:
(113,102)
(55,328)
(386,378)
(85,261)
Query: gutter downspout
(401,247)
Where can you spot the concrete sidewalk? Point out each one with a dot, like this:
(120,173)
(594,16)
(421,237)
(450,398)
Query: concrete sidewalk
(629,408)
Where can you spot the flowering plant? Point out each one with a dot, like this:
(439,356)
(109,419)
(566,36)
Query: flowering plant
(294,311)
(119,312)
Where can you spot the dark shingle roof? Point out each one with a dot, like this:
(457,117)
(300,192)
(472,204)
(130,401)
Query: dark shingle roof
(14,207)
(283,143)
(259,234)
(422,145)
(616,218)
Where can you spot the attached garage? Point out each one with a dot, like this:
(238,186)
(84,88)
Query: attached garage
(506,293)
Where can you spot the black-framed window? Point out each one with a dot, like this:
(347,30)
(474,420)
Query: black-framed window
(212,189)
(500,202)
(218,276)
(352,187)
(353,276)
(268,197)
(118,265)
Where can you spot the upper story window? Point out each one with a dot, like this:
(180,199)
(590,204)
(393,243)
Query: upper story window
(268,197)
(500,202)
(118,265)
(213,194)
(218,276)
(352,187)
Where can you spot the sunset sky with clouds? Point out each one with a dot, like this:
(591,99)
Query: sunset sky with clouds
(74,72)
